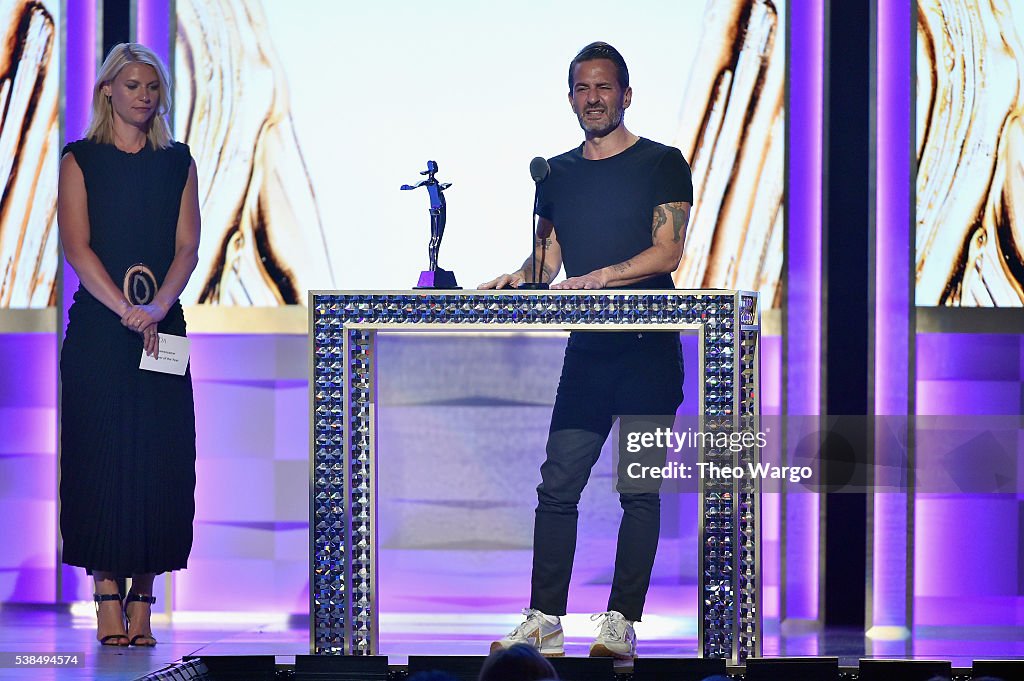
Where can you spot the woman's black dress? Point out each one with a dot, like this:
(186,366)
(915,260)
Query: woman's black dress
(128,443)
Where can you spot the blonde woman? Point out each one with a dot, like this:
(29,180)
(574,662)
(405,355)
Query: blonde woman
(128,214)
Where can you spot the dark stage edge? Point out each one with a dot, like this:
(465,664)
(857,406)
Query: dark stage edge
(248,667)
(54,629)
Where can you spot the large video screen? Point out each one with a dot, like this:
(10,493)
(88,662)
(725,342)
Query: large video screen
(305,121)
(970,154)
(29,138)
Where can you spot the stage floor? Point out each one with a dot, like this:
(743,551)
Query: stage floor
(43,629)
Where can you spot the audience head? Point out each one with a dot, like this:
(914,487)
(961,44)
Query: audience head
(519,662)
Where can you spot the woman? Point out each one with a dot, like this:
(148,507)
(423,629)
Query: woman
(128,213)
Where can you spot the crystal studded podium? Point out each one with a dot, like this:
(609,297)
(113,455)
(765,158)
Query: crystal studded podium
(343,326)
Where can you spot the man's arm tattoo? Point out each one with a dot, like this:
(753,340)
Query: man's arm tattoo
(622,267)
(659,219)
(679,217)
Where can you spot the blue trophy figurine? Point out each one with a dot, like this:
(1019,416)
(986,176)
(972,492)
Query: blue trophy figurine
(435,277)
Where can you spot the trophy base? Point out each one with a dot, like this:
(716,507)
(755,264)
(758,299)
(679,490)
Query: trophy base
(439,279)
(534,286)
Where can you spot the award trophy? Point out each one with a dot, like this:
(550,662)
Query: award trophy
(435,277)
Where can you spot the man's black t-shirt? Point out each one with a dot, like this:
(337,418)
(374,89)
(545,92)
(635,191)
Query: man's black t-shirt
(603,210)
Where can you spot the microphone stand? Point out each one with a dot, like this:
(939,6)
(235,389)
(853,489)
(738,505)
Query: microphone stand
(536,284)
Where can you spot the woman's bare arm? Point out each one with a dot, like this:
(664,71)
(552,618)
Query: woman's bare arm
(73,224)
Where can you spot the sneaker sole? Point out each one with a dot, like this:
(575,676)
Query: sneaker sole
(599,650)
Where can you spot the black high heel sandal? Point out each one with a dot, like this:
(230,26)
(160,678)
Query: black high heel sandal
(110,640)
(136,598)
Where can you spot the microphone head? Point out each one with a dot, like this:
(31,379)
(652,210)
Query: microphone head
(539,169)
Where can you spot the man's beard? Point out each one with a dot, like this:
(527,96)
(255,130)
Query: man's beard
(600,128)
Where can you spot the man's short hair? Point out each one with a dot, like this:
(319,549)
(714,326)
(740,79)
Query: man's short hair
(601,50)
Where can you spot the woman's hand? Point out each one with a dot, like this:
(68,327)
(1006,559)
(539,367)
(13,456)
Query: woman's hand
(151,341)
(143,319)
(138,317)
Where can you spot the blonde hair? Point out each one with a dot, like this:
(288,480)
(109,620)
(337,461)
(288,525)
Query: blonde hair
(101,124)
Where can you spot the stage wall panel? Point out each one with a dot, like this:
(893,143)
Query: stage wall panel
(305,123)
(28,475)
(252,503)
(251,529)
(30,80)
(970,146)
(967,546)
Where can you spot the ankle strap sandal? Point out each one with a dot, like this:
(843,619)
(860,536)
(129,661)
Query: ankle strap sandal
(137,598)
(112,639)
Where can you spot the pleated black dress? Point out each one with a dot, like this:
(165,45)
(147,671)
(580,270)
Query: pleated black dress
(128,442)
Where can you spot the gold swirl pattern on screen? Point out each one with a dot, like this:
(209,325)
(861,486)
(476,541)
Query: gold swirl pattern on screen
(29,134)
(733,133)
(263,241)
(970,154)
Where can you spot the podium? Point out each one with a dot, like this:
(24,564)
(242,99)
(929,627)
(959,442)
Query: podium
(343,325)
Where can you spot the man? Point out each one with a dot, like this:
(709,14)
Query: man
(614,210)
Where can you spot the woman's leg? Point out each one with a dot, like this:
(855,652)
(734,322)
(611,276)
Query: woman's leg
(138,612)
(109,618)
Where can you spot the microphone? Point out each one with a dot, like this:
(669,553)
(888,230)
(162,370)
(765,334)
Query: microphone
(544,229)
(539,171)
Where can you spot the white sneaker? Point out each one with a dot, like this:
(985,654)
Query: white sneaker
(616,638)
(537,631)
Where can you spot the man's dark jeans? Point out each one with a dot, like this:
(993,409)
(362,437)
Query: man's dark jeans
(633,373)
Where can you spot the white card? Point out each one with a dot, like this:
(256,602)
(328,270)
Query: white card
(173,356)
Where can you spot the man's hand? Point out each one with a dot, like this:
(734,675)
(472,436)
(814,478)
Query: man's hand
(504,281)
(528,272)
(593,280)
